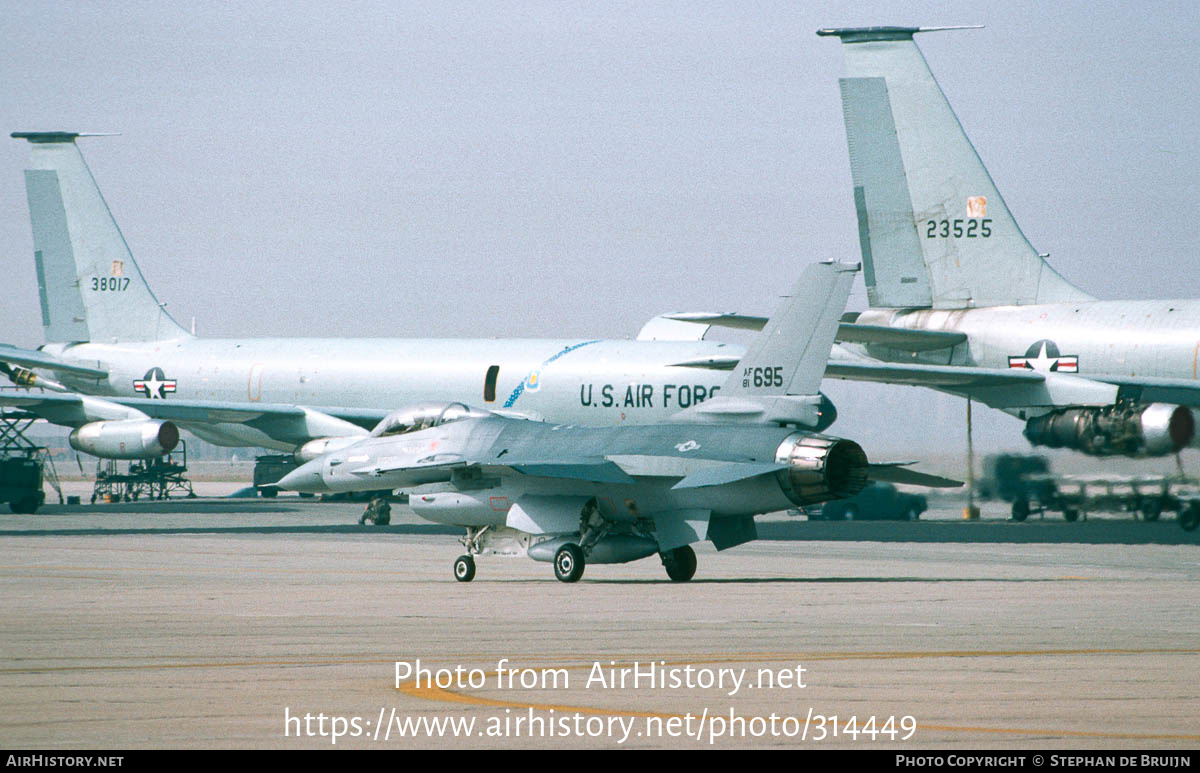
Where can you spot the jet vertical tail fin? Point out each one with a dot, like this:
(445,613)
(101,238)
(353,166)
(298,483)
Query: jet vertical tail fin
(779,377)
(933,229)
(90,287)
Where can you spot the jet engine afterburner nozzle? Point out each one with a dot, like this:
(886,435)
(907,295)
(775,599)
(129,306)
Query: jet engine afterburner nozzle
(820,468)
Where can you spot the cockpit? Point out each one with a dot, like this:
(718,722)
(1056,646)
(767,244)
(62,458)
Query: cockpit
(424,416)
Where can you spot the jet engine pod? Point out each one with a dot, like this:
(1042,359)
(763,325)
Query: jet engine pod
(126,439)
(1127,429)
(820,468)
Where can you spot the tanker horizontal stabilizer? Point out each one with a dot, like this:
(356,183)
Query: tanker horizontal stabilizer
(29,358)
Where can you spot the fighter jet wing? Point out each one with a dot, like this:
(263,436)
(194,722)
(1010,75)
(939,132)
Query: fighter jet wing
(29,358)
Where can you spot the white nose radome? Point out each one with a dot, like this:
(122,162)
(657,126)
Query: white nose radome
(306,479)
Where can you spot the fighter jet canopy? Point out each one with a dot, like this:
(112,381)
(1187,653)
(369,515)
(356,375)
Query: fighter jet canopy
(423,416)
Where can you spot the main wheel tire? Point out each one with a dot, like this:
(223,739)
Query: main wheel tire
(568,563)
(680,563)
(1070,514)
(268,492)
(464,568)
(1020,509)
(1151,509)
(1189,517)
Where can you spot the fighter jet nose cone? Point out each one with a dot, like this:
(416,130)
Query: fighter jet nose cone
(306,479)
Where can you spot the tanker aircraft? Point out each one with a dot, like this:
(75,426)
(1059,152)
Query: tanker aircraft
(126,376)
(959,299)
(571,495)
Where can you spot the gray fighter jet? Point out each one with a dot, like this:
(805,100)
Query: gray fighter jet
(573,495)
(124,374)
(961,302)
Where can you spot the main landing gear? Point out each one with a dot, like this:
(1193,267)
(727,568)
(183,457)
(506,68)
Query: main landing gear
(568,562)
(680,563)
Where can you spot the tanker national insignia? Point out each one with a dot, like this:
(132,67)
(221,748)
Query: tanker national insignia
(1044,357)
(154,384)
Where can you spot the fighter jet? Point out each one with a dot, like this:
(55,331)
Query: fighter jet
(959,299)
(126,376)
(574,495)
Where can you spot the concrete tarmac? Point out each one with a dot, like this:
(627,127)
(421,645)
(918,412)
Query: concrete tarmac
(223,623)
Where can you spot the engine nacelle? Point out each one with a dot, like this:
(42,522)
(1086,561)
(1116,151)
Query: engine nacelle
(126,439)
(321,446)
(820,468)
(1126,429)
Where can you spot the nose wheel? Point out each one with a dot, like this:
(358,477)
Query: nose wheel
(464,568)
(568,563)
(680,563)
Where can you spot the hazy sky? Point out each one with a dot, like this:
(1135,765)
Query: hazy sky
(572,169)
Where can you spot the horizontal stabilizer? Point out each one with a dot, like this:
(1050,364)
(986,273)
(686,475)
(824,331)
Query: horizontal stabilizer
(898,337)
(848,332)
(665,328)
(30,358)
(714,362)
(718,319)
(898,473)
(931,375)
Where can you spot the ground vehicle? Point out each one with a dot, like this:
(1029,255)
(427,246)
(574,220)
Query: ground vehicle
(1007,476)
(21,483)
(877,502)
(1075,495)
(270,468)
